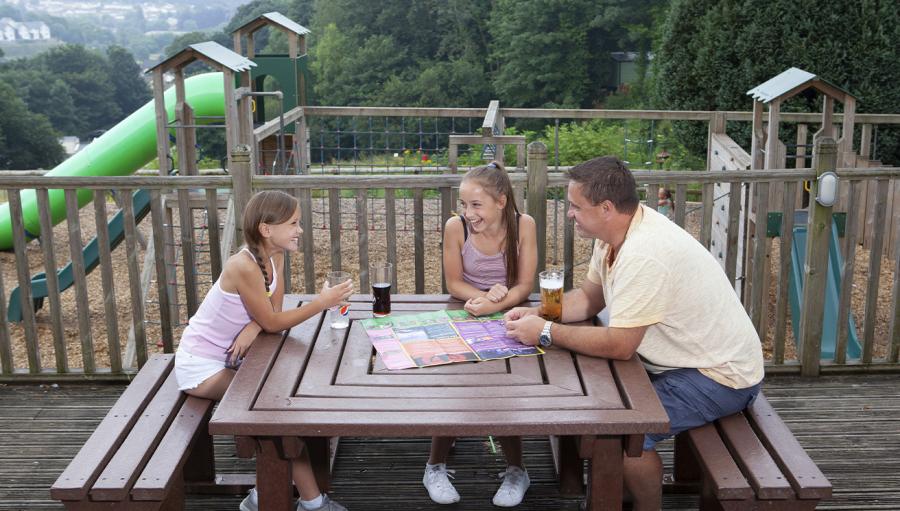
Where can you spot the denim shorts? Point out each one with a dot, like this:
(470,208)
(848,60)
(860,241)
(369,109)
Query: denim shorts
(692,399)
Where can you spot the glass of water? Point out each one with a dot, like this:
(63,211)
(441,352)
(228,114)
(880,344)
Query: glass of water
(339,314)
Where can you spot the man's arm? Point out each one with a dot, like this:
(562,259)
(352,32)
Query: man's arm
(578,305)
(598,341)
(583,303)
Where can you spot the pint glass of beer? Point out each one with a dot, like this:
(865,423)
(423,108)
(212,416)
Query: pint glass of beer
(551,294)
(382,276)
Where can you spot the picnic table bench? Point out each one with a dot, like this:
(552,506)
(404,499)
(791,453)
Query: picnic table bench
(152,440)
(748,461)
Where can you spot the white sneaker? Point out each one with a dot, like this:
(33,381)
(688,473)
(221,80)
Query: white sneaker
(512,491)
(437,482)
(250,502)
(327,505)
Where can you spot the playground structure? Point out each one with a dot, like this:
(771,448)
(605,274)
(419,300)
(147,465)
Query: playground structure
(189,231)
(192,103)
(754,224)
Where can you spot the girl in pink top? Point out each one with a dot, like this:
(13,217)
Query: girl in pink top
(245,300)
(490,258)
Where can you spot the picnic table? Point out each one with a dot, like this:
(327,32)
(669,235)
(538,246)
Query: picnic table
(314,384)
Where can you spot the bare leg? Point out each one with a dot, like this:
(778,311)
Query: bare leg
(213,387)
(643,479)
(512,449)
(440,448)
(304,478)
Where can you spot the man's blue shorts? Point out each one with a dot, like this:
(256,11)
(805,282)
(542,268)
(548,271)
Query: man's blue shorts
(692,399)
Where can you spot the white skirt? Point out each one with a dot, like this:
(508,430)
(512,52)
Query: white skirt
(191,370)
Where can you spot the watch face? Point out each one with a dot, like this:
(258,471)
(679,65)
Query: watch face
(545,341)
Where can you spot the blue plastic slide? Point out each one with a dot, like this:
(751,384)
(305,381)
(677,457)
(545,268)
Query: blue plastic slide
(832,290)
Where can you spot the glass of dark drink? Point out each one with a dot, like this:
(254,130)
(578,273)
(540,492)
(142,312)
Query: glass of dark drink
(382,276)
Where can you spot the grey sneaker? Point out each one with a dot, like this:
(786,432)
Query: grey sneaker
(327,505)
(437,482)
(512,491)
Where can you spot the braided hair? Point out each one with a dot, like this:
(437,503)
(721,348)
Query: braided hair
(267,207)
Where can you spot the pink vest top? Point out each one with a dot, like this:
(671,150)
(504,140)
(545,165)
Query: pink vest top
(218,320)
(482,271)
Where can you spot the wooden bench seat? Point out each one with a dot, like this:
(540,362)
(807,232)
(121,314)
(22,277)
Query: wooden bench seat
(749,461)
(152,440)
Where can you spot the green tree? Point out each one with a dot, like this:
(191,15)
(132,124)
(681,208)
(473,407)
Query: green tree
(712,53)
(351,74)
(541,52)
(184,40)
(27,141)
(131,91)
(410,25)
(458,83)
(47,94)
(87,75)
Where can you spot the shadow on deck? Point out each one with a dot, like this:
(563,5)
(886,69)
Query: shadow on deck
(850,425)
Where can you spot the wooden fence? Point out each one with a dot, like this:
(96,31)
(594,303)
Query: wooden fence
(186,195)
(191,226)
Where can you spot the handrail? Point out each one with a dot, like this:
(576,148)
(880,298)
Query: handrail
(350,181)
(572,113)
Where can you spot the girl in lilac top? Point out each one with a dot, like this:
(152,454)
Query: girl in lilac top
(245,300)
(490,258)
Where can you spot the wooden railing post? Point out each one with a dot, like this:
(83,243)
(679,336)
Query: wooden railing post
(815,271)
(537,199)
(241,181)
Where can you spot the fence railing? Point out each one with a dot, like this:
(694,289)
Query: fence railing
(111,319)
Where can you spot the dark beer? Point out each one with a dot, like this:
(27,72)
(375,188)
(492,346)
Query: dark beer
(551,294)
(381,303)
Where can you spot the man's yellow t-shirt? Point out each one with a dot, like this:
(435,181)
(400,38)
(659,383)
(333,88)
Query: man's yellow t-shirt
(664,278)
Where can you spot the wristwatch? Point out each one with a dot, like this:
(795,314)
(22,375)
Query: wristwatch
(546,339)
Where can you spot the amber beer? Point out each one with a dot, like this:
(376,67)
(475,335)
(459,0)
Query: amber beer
(381,289)
(551,294)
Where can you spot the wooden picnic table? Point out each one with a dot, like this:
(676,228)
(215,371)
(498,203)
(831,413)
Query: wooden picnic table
(314,384)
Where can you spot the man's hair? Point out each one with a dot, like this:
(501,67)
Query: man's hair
(607,178)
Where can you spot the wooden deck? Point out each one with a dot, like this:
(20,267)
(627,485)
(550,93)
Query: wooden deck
(850,425)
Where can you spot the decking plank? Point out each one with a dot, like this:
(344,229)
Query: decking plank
(847,424)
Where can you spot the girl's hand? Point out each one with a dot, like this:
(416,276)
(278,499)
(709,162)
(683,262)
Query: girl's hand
(241,344)
(331,296)
(479,306)
(496,293)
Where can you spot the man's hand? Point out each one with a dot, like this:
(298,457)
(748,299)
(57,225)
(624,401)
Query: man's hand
(527,329)
(520,312)
(479,306)
(496,293)
(242,343)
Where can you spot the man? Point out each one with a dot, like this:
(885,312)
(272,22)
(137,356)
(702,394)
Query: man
(668,300)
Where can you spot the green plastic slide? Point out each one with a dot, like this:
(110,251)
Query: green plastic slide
(125,148)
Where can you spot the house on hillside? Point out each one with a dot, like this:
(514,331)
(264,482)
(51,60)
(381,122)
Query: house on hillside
(12,30)
(7,30)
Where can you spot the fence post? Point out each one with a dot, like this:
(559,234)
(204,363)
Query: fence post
(536,204)
(815,270)
(242,185)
